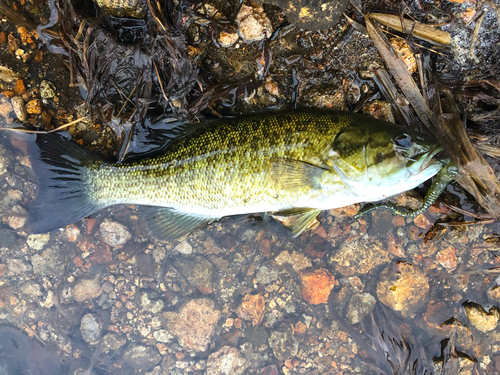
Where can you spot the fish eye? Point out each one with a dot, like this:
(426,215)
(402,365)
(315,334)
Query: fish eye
(403,140)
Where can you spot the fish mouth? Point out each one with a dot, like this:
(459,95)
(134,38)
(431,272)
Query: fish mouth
(431,158)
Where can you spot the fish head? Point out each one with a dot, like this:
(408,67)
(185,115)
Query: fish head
(377,159)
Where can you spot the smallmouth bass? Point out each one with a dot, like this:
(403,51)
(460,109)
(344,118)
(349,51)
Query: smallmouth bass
(296,163)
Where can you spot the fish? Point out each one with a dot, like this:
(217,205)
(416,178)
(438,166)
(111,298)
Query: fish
(290,163)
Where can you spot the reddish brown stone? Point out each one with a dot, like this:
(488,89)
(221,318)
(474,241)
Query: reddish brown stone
(447,257)
(316,285)
(421,221)
(20,89)
(3,38)
(252,308)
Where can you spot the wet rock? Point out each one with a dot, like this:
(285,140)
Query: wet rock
(5,109)
(283,343)
(311,14)
(226,361)
(405,53)
(197,270)
(112,341)
(19,108)
(403,287)
(47,90)
(90,328)
(141,357)
(316,285)
(49,262)
(194,324)
(251,308)
(30,289)
(37,241)
(113,233)
(253,24)
(17,267)
(266,274)
(86,289)
(484,321)
(421,221)
(297,259)
(34,107)
(211,246)
(359,257)
(359,306)
(71,232)
(16,222)
(494,293)
(148,303)
(163,335)
(381,223)
(447,258)
(184,248)
(227,39)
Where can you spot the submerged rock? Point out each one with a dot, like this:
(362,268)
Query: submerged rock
(253,24)
(359,257)
(316,285)
(484,321)
(283,343)
(403,287)
(194,324)
(359,306)
(141,357)
(226,361)
(251,308)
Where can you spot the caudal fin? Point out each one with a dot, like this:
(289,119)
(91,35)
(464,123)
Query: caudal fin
(61,169)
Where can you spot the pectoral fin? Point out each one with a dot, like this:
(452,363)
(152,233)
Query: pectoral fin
(167,224)
(297,220)
(293,174)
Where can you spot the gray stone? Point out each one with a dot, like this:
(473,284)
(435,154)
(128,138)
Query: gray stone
(113,341)
(226,361)
(49,263)
(141,357)
(90,328)
(113,233)
(86,289)
(283,343)
(197,270)
(266,274)
(359,306)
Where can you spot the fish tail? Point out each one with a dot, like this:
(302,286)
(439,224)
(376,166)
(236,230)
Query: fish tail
(62,197)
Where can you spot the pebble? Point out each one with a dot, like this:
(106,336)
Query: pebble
(141,357)
(494,293)
(49,262)
(71,232)
(47,90)
(87,289)
(447,258)
(316,285)
(403,287)
(30,289)
(194,336)
(227,39)
(5,109)
(226,361)
(34,107)
(359,257)
(421,221)
(16,222)
(297,259)
(19,108)
(359,306)
(197,270)
(266,274)
(112,341)
(163,335)
(38,241)
(184,248)
(482,320)
(405,53)
(283,343)
(379,109)
(252,308)
(253,24)
(114,234)
(17,267)
(90,328)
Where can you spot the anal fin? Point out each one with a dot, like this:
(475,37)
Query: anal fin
(297,220)
(166,224)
